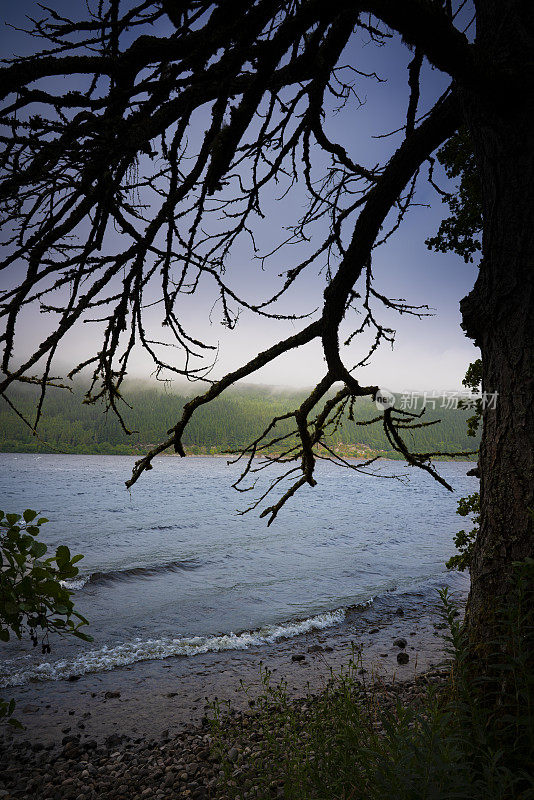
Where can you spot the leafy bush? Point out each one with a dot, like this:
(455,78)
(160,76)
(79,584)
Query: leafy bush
(33,599)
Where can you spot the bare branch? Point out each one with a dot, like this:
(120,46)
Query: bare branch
(129,188)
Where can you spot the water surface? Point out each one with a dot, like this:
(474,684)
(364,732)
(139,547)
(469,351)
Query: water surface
(172,568)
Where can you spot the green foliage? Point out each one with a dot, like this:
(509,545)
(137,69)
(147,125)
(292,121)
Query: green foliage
(464,541)
(33,599)
(363,742)
(460,232)
(227,424)
(343,743)
(473,381)
(473,376)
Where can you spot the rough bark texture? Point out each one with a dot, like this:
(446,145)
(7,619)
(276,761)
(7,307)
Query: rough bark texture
(499,312)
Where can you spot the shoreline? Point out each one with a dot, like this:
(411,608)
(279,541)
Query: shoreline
(460,458)
(151,698)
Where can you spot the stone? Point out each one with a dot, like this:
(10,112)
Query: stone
(113,740)
(403,658)
(71,752)
(232,754)
(90,745)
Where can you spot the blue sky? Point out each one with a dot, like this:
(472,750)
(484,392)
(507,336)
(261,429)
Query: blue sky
(432,353)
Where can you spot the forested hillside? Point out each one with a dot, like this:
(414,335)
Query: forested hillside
(228,424)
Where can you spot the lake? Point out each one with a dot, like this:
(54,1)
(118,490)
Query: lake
(172,569)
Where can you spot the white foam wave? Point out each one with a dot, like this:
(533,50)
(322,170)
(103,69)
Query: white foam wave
(122,655)
(76,583)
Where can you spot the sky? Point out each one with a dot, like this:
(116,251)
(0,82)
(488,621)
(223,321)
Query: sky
(432,353)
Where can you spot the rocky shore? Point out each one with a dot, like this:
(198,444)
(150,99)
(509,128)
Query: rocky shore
(186,765)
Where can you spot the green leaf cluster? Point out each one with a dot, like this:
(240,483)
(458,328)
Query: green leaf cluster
(465,540)
(460,232)
(473,381)
(33,597)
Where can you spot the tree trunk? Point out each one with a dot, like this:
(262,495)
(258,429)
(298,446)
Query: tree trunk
(499,313)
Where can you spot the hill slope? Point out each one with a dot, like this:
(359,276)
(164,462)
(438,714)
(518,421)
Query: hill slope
(224,425)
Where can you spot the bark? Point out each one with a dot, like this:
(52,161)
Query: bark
(499,312)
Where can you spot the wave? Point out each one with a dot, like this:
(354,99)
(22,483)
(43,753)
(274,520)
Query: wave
(175,527)
(111,576)
(107,658)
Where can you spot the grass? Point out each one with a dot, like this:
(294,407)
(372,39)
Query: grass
(465,739)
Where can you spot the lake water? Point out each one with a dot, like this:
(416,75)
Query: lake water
(172,569)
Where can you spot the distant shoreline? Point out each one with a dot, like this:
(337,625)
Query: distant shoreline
(141,453)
